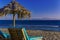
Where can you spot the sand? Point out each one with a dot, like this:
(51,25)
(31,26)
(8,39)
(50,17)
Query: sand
(47,35)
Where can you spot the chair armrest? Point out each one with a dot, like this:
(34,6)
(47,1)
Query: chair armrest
(36,38)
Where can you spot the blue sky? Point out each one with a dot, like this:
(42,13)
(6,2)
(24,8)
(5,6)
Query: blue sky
(41,9)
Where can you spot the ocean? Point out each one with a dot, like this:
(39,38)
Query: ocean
(53,25)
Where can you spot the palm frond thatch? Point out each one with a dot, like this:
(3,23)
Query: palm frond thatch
(15,8)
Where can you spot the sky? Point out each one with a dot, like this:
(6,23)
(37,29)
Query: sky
(40,9)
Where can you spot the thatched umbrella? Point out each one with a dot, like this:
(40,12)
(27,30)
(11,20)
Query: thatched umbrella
(15,8)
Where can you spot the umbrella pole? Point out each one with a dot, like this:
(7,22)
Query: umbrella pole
(14,20)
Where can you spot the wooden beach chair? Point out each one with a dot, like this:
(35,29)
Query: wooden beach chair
(16,34)
(4,36)
(21,34)
(26,37)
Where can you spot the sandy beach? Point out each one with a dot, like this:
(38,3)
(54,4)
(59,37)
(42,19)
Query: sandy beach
(47,35)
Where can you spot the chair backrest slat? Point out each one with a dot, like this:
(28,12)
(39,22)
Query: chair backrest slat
(26,37)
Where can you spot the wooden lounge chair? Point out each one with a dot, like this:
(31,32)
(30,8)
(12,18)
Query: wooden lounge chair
(26,37)
(4,36)
(16,34)
(21,34)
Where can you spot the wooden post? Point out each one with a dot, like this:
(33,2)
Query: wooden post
(14,20)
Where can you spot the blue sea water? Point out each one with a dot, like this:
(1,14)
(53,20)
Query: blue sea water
(53,25)
(30,22)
